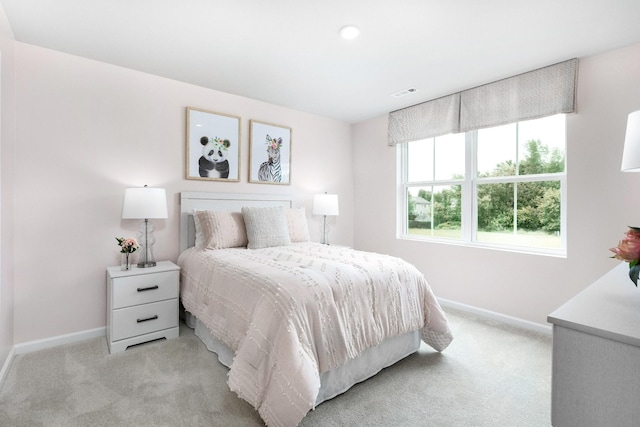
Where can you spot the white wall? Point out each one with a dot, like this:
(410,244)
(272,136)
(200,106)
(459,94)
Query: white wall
(86,131)
(602,201)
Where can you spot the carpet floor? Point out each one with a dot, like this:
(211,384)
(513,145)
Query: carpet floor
(491,375)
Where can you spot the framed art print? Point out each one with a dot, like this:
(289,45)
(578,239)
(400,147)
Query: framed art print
(213,146)
(269,153)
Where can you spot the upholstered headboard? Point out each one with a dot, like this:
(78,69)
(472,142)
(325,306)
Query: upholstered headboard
(191,201)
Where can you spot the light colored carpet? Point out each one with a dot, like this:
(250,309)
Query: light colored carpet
(491,375)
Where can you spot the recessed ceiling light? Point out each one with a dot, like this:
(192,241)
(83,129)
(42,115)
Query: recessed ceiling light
(349,32)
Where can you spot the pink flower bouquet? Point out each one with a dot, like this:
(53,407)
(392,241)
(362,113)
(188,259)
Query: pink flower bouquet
(628,250)
(127,246)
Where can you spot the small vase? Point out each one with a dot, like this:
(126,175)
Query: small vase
(125,262)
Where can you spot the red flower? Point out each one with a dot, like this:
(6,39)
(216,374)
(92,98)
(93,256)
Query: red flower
(628,249)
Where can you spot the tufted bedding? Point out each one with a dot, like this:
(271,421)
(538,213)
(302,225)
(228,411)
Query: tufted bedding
(292,312)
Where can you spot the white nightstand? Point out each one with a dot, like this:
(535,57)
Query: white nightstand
(142,304)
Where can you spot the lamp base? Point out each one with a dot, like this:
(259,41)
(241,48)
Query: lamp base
(325,231)
(146,264)
(146,239)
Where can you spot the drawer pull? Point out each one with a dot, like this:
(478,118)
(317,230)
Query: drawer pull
(150,288)
(147,319)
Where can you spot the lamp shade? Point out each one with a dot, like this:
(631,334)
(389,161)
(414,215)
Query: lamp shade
(631,154)
(145,203)
(325,204)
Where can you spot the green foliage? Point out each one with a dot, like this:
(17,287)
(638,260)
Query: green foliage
(420,224)
(540,160)
(411,207)
(449,226)
(445,205)
(550,210)
(495,207)
(538,202)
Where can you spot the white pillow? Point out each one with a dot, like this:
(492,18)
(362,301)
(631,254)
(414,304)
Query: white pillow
(266,227)
(199,236)
(221,230)
(297,224)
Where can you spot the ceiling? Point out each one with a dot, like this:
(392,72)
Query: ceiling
(289,53)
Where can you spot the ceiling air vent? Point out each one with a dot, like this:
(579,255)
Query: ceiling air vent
(404,92)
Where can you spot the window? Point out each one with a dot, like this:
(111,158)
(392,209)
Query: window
(500,187)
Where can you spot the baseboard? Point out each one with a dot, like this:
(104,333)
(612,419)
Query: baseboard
(514,321)
(7,365)
(32,346)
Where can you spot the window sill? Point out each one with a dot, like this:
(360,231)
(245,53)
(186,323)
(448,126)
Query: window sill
(556,253)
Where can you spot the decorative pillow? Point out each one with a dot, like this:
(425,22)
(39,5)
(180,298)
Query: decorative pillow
(221,230)
(266,227)
(199,236)
(297,223)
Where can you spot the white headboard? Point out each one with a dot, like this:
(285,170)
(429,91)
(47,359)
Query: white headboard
(190,201)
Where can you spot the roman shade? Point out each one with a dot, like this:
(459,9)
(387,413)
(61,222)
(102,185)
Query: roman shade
(432,118)
(539,93)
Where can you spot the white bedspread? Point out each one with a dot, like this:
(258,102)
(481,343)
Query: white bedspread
(291,312)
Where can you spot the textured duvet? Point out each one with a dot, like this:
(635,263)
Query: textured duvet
(292,312)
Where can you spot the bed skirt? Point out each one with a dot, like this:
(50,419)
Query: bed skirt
(336,381)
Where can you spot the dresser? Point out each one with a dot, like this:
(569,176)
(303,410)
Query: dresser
(596,355)
(142,305)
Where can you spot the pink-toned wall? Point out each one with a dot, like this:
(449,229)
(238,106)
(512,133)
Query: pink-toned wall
(86,131)
(7,144)
(602,201)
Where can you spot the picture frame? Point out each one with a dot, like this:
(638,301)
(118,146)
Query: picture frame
(212,146)
(269,153)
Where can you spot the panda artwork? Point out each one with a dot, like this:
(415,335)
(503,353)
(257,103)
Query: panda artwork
(213,163)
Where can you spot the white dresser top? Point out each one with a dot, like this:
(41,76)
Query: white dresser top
(609,308)
(161,267)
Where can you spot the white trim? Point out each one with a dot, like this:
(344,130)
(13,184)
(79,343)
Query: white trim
(513,321)
(31,346)
(469,198)
(7,365)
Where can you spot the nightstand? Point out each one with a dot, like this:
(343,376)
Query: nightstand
(142,304)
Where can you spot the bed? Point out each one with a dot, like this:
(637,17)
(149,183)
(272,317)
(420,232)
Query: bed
(296,322)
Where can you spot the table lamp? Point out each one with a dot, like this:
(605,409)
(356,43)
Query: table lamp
(145,203)
(325,204)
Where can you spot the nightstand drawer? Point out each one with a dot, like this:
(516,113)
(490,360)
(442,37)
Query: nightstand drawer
(142,319)
(145,288)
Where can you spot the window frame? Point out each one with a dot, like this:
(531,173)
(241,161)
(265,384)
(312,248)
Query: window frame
(469,207)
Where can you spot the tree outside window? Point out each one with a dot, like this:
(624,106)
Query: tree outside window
(511,185)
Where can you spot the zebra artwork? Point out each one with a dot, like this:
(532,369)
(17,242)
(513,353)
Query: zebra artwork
(270,170)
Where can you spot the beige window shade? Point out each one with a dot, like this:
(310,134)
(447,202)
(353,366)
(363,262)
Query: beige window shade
(427,120)
(539,93)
